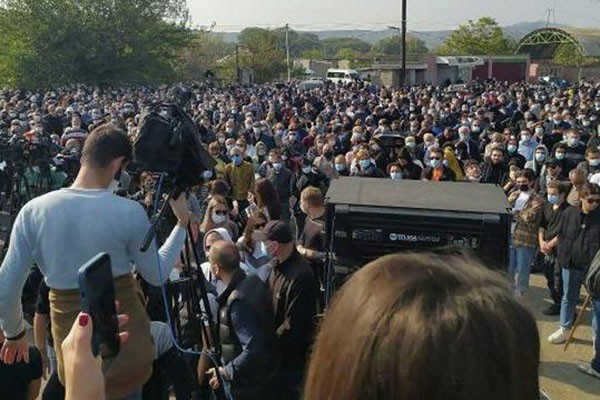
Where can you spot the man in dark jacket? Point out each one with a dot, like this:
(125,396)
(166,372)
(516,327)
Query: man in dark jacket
(294,291)
(281,178)
(578,242)
(245,324)
(494,169)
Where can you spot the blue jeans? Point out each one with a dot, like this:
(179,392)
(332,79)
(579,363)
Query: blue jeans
(519,266)
(596,326)
(572,281)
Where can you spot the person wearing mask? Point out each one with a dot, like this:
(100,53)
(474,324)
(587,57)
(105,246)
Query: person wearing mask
(396,172)
(526,206)
(239,175)
(281,178)
(411,170)
(340,166)
(527,145)
(364,166)
(45,224)
(560,152)
(552,210)
(423,147)
(252,250)
(555,124)
(216,217)
(591,165)
(260,155)
(468,147)
(537,164)
(294,291)
(575,149)
(512,152)
(21,380)
(245,322)
(494,168)
(496,143)
(437,171)
(259,134)
(578,242)
(453,163)
(552,172)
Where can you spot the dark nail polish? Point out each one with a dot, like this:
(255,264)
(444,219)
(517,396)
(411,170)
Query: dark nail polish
(84,320)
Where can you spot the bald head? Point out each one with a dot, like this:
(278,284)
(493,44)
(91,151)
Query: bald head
(225,255)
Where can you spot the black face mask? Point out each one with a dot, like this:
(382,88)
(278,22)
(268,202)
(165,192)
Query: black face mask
(328,155)
(524,187)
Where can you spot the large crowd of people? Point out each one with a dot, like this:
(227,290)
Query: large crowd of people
(258,219)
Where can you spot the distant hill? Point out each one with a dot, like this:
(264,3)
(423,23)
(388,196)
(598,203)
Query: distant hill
(432,39)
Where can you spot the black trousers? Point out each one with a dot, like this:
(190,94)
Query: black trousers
(553,273)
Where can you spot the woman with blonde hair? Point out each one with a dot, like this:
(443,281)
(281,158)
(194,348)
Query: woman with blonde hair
(217,216)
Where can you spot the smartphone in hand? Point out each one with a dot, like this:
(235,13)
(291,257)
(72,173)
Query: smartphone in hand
(97,298)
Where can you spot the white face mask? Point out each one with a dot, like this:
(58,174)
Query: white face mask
(218,219)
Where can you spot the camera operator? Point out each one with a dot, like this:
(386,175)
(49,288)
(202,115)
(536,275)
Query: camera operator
(62,230)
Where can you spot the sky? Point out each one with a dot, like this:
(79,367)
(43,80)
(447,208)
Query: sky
(423,15)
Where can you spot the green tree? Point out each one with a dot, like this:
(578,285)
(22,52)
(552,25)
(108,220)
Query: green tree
(262,52)
(332,46)
(204,52)
(568,54)
(51,42)
(392,46)
(312,54)
(481,37)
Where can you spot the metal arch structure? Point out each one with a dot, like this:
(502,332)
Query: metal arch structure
(543,43)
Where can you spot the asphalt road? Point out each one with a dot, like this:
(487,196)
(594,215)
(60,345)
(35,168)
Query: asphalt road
(558,369)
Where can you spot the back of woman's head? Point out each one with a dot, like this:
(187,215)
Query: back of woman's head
(424,326)
(266,196)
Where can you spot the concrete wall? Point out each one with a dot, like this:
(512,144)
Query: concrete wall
(320,67)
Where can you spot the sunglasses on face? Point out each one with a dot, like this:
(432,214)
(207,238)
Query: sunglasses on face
(221,212)
(260,226)
(435,158)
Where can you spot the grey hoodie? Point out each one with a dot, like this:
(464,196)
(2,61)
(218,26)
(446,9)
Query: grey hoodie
(537,167)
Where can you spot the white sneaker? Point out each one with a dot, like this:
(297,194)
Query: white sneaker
(560,336)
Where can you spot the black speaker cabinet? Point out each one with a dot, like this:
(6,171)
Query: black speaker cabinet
(369,217)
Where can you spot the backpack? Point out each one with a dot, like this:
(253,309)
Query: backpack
(592,278)
(171,144)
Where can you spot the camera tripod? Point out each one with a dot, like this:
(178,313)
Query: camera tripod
(199,334)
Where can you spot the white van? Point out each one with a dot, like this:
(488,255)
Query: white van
(342,75)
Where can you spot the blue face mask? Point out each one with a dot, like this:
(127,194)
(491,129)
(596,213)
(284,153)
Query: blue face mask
(364,164)
(306,170)
(594,162)
(396,176)
(237,160)
(435,163)
(278,166)
(552,199)
(560,156)
(339,167)
(511,148)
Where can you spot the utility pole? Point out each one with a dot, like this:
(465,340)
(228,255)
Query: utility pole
(403,70)
(237,64)
(287,52)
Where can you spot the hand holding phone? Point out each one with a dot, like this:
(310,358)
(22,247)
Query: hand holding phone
(97,291)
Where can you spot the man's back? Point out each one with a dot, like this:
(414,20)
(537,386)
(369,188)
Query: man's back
(65,228)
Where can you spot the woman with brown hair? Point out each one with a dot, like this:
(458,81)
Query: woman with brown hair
(253,252)
(425,326)
(266,199)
